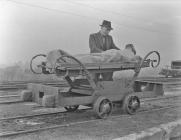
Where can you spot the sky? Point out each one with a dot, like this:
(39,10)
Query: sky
(30,27)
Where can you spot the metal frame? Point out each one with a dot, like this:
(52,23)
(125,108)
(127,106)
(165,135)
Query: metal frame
(87,90)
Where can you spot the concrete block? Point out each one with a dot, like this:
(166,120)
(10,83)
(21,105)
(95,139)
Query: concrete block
(172,130)
(48,101)
(176,132)
(26,95)
(169,131)
(150,134)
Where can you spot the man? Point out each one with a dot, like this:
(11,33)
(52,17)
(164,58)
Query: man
(102,41)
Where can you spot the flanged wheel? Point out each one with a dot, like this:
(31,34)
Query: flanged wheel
(71,108)
(131,104)
(102,107)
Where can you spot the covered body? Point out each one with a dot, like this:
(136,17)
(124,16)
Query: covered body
(108,56)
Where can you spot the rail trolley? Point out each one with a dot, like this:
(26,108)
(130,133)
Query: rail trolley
(85,90)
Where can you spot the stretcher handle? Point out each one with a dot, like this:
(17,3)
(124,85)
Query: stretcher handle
(138,69)
(31,63)
(87,74)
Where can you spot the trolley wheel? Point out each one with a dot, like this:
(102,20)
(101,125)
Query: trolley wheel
(71,108)
(131,104)
(102,107)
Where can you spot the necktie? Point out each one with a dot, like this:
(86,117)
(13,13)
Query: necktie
(104,42)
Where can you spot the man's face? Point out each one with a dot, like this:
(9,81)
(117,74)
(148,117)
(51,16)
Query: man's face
(104,30)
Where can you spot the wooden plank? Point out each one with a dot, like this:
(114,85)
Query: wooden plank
(75,69)
(99,66)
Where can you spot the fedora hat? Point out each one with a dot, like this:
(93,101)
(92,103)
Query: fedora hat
(106,24)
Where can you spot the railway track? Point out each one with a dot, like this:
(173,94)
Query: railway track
(63,118)
(19,101)
(19,124)
(177,97)
(10,98)
(18,85)
(13,133)
(23,84)
(161,98)
(11,102)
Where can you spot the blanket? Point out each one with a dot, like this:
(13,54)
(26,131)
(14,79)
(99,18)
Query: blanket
(104,57)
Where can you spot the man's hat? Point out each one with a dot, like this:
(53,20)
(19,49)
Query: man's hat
(106,24)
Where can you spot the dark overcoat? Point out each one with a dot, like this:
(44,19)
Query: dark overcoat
(96,43)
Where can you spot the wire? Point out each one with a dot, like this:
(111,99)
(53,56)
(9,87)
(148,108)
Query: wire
(46,8)
(102,10)
(117,13)
(79,15)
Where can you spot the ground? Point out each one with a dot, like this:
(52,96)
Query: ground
(115,126)
(110,128)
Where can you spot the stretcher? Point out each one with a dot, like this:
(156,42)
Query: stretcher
(88,91)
